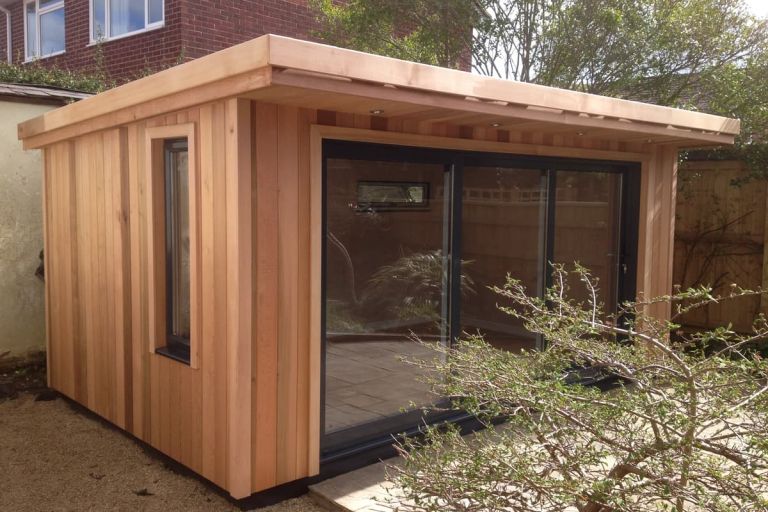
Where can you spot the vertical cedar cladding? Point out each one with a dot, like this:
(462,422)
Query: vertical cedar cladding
(98,260)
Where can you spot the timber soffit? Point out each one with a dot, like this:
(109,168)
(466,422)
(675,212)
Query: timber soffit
(294,64)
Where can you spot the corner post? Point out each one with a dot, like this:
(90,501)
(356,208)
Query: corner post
(239,294)
(657,227)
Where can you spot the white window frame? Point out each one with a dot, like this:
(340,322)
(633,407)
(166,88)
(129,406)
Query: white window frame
(108,37)
(39,12)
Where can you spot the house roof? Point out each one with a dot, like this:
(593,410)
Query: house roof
(288,71)
(40,93)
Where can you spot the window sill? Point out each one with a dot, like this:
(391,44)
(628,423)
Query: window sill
(30,60)
(128,34)
(175,353)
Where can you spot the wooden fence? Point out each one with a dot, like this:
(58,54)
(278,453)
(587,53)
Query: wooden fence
(720,239)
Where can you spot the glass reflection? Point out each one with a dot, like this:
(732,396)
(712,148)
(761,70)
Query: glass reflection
(503,229)
(52,32)
(125,16)
(386,282)
(587,221)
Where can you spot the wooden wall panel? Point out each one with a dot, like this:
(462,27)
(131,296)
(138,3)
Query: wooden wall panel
(287,290)
(94,282)
(657,227)
(46,199)
(304,408)
(86,237)
(100,279)
(281,397)
(140,385)
(60,261)
(265,353)
(116,164)
(238,173)
(213,236)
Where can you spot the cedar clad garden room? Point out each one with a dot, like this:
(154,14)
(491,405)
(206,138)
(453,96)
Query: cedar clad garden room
(239,249)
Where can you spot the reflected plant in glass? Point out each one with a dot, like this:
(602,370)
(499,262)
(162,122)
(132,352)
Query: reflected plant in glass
(340,317)
(413,286)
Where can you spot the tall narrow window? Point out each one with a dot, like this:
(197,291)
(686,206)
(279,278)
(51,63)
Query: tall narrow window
(177,249)
(111,19)
(44,28)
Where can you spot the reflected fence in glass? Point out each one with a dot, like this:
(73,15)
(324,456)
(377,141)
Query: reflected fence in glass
(503,232)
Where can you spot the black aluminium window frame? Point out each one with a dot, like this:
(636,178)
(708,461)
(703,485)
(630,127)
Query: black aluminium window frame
(176,347)
(455,161)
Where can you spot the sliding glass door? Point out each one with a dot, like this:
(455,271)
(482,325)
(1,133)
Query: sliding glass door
(386,287)
(587,229)
(414,241)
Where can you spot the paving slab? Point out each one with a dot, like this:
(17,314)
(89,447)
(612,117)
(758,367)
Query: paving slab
(363,490)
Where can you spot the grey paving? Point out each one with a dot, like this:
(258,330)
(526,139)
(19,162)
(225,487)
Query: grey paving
(368,380)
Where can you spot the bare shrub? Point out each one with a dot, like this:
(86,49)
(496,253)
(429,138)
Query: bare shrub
(682,427)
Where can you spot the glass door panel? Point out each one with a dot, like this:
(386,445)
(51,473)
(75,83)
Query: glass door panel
(385,284)
(587,230)
(503,232)
(414,239)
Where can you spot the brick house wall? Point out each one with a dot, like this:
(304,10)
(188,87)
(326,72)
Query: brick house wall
(209,26)
(193,28)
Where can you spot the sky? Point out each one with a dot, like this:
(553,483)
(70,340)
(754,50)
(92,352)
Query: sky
(759,7)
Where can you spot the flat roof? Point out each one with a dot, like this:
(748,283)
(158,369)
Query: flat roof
(289,71)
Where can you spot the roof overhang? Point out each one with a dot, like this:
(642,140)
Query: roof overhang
(288,71)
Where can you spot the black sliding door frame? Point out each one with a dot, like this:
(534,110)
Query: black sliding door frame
(455,162)
(454,284)
(409,423)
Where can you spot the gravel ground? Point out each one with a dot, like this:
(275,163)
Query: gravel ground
(54,458)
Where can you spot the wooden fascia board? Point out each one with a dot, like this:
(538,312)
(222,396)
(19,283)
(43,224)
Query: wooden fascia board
(226,88)
(448,102)
(293,54)
(237,60)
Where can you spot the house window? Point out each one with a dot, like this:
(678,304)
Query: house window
(111,19)
(43,28)
(177,249)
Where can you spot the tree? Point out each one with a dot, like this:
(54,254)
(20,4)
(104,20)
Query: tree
(434,32)
(709,55)
(683,426)
(741,90)
(613,47)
